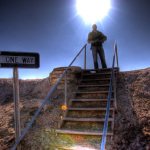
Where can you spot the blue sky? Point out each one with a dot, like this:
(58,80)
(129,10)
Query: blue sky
(54,30)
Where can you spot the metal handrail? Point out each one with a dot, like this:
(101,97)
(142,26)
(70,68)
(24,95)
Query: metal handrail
(103,143)
(39,109)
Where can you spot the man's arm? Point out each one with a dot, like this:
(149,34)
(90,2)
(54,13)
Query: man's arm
(104,38)
(90,40)
(98,40)
(93,41)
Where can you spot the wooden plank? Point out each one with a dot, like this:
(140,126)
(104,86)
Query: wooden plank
(99,69)
(96,74)
(82,133)
(88,109)
(103,79)
(87,119)
(90,100)
(92,92)
(102,85)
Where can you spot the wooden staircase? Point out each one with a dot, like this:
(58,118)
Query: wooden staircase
(84,118)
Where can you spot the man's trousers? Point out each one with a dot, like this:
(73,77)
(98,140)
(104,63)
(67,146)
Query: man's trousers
(98,50)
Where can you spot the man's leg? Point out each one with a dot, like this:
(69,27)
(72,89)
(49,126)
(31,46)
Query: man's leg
(94,53)
(102,56)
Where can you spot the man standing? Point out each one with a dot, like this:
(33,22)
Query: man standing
(96,38)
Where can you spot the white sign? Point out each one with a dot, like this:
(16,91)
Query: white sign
(19,60)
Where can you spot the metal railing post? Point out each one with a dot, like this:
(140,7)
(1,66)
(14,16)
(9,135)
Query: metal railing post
(115,99)
(66,89)
(85,58)
(116,54)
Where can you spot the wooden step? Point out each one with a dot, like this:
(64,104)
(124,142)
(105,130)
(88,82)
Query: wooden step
(99,81)
(100,69)
(96,74)
(86,119)
(82,133)
(102,85)
(90,100)
(92,92)
(92,87)
(90,113)
(102,79)
(88,109)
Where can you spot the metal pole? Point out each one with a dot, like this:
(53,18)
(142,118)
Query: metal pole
(116,54)
(85,58)
(115,97)
(108,106)
(16,105)
(66,89)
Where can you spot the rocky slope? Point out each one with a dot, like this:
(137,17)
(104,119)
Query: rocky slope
(29,89)
(132,124)
(132,120)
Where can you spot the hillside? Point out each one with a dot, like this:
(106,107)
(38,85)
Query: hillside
(132,120)
(132,128)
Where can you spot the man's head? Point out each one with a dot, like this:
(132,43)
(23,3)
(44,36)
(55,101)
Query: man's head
(94,26)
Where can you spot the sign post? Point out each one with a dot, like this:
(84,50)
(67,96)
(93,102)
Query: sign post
(17,60)
(16,105)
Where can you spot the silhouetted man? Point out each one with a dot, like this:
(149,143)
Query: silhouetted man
(96,38)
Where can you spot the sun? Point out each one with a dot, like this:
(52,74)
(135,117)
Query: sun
(92,10)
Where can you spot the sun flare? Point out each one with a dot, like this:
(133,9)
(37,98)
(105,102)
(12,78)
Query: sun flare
(92,10)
